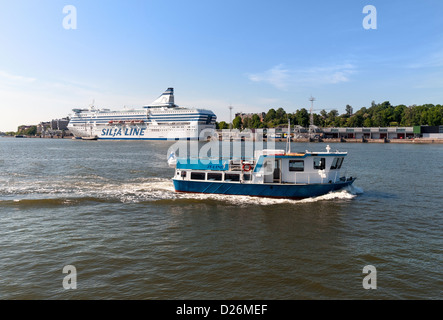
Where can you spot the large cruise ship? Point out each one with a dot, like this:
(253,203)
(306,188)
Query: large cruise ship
(160,120)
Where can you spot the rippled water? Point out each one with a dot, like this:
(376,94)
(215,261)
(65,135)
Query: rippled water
(109,209)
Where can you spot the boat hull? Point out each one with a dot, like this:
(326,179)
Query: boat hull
(289,191)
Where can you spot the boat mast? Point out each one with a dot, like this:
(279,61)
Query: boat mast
(311,117)
(288,141)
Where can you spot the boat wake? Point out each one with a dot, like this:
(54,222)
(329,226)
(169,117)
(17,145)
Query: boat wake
(136,191)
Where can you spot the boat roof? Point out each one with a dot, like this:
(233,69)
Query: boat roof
(222,164)
(282,154)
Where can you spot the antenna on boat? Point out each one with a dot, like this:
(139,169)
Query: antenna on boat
(288,142)
(230,117)
(311,116)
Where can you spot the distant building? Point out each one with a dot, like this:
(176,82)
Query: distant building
(60,124)
(433,132)
(56,127)
(242,115)
(23,128)
(43,126)
(370,133)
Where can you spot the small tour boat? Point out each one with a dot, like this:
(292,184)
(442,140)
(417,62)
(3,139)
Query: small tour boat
(271,173)
(90,138)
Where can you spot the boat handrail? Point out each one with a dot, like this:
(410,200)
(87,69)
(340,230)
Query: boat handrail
(218,158)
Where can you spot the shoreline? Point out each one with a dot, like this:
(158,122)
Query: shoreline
(338,140)
(305,140)
(34,137)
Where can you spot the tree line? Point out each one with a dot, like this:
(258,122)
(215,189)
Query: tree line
(23,130)
(378,115)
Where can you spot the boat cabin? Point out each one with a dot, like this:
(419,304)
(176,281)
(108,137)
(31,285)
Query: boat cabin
(267,167)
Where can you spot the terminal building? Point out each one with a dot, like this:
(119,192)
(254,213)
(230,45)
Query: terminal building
(349,134)
(370,133)
(389,133)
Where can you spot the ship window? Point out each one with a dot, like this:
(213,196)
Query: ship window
(183,174)
(197,175)
(247,176)
(336,163)
(319,163)
(296,165)
(215,176)
(232,177)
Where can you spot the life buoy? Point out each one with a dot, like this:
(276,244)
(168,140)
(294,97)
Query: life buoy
(246,167)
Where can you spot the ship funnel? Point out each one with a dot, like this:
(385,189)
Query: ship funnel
(165,100)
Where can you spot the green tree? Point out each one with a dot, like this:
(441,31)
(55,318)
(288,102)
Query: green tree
(367,122)
(255,121)
(246,123)
(222,125)
(270,115)
(349,110)
(355,120)
(302,117)
(237,122)
(281,116)
(31,131)
(398,113)
(332,118)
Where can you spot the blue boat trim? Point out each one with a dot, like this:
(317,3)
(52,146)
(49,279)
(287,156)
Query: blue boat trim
(290,191)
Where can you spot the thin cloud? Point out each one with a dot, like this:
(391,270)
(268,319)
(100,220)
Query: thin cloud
(283,78)
(435,60)
(13,77)
(276,76)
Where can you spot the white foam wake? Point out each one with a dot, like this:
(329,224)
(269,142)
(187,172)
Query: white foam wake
(167,189)
(154,189)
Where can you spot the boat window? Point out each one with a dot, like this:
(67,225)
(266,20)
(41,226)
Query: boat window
(340,162)
(197,175)
(336,163)
(215,176)
(232,177)
(183,174)
(319,163)
(247,177)
(296,165)
(268,166)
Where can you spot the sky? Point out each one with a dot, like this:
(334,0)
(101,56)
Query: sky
(249,54)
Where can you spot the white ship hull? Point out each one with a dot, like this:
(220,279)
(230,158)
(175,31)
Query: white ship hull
(144,132)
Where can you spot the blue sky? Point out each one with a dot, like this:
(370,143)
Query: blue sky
(252,55)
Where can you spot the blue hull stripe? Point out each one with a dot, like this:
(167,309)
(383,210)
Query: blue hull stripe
(171,139)
(259,190)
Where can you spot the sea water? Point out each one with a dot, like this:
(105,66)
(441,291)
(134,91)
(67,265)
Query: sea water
(108,208)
